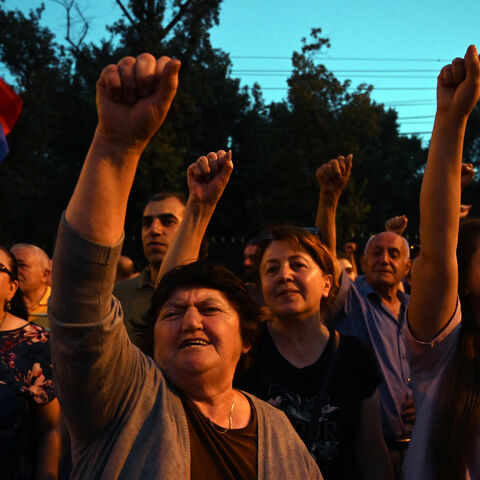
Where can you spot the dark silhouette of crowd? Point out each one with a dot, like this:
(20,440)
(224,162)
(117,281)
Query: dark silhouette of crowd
(311,367)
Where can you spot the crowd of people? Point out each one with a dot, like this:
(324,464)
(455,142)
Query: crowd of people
(306,369)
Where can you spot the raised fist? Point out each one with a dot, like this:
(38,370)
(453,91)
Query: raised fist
(397,224)
(208,177)
(133,98)
(467,175)
(333,176)
(458,85)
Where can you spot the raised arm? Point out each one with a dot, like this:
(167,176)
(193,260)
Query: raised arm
(332,178)
(207,179)
(435,274)
(133,98)
(96,367)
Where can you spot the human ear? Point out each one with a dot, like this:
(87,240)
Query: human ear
(328,280)
(45,274)
(408,266)
(12,289)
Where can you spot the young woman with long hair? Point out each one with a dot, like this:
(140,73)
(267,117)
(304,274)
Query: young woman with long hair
(444,311)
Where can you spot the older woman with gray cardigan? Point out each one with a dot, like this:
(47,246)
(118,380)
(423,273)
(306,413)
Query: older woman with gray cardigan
(177,416)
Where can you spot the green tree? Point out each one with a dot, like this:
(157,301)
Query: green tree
(57,83)
(277,147)
(320,119)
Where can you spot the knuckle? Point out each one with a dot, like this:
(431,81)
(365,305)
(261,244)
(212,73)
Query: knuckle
(126,62)
(146,57)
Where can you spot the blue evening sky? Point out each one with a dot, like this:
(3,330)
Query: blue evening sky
(398,47)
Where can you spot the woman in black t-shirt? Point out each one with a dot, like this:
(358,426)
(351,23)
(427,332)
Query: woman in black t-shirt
(325,383)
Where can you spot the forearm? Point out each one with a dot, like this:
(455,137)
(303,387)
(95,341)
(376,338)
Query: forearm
(372,456)
(440,194)
(185,246)
(99,202)
(48,455)
(435,272)
(89,343)
(47,424)
(325,220)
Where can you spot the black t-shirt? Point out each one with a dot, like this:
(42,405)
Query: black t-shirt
(354,378)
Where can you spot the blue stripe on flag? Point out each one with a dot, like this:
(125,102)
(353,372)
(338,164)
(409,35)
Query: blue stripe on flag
(3,145)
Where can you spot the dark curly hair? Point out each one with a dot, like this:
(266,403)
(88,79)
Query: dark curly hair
(205,274)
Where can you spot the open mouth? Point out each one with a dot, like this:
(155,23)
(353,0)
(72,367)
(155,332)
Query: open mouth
(287,292)
(193,343)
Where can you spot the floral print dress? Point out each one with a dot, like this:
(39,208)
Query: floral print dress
(25,380)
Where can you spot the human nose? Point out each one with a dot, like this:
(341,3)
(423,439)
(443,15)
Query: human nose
(383,257)
(284,272)
(192,319)
(156,227)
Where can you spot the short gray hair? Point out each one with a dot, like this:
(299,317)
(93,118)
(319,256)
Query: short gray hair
(43,258)
(405,241)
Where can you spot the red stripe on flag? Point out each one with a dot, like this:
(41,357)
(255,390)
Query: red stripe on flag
(10,107)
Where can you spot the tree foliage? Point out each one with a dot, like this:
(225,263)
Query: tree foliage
(276,147)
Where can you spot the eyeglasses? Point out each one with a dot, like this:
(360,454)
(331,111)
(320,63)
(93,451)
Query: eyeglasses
(4,269)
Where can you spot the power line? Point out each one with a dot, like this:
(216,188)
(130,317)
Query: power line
(418,116)
(375,88)
(415,133)
(344,75)
(416,122)
(375,70)
(408,102)
(393,104)
(359,59)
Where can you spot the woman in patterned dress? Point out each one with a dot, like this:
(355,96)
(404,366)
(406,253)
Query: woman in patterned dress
(29,411)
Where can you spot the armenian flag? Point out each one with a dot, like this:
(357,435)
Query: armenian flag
(10,108)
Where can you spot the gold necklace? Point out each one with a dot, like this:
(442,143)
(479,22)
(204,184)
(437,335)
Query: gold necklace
(230,418)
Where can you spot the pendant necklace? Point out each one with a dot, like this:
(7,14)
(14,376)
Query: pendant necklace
(230,417)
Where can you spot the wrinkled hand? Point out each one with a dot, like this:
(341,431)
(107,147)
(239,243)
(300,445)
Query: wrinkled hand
(208,177)
(333,176)
(464,210)
(350,247)
(408,412)
(397,224)
(458,85)
(134,96)
(467,174)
